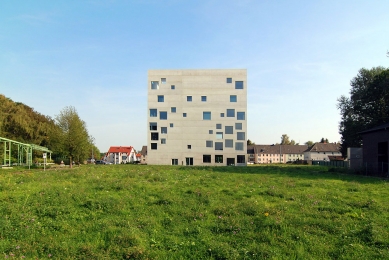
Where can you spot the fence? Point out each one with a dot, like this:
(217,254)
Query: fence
(343,164)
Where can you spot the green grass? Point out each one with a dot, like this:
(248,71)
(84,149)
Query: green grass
(167,212)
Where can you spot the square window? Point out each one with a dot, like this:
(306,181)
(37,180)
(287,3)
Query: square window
(174,161)
(240,115)
(238,126)
(218,126)
(173,109)
(230,112)
(218,158)
(221,114)
(153,112)
(153,126)
(171,125)
(172,87)
(239,146)
(164,130)
(206,115)
(238,84)
(208,143)
(189,146)
(161,98)
(154,84)
(189,98)
(240,159)
(163,140)
(210,132)
(154,136)
(229,80)
(162,115)
(183,114)
(206,158)
(163,80)
(154,146)
(233,98)
(218,145)
(219,135)
(240,136)
(203,98)
(229,143)
(229,130)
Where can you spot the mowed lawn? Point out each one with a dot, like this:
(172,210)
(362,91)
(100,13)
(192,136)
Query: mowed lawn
(170,212)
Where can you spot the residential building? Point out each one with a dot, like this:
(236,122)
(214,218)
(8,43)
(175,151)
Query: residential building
(321,151)
(143,152)
(120,154)
(197,117)
(277,153)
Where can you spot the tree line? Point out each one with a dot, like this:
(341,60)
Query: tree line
(65,134)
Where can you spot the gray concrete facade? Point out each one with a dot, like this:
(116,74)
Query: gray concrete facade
(197,117)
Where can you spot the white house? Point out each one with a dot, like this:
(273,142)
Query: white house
(120,154)
(321,151)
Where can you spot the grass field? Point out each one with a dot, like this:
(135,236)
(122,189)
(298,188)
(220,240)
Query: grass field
(167,212)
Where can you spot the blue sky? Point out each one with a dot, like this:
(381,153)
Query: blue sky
(94,55)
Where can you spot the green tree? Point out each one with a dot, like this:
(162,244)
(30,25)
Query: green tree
(324,140)
(285,139)
(367,106)
(309,143)
(73,138)
(249,142)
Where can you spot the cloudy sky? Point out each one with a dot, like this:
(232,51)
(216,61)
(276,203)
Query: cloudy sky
(94,55)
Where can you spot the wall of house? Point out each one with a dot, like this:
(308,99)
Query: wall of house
(319,156)
(373,161)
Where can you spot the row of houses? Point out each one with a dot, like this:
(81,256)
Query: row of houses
(124,154)
(291,153)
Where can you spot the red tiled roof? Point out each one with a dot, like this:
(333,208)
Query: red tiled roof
(120,149)
(138,155)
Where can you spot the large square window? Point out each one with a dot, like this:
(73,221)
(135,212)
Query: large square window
(238,126)
(240,159)
(219,135)
(153,126)
(154,84)
(203,98)
(154,146)
(163,80)
(208,143)
(218,158)
(173,109)
(238,84)
(229,143)
(240,136)
(154,136)
(230,112)
(206,158)
(161,98)
(218,145)
(189,98)
(206,115)
(233,98)
(153,112)
(229,130)
(164,130)
(240,115)
(162,115)
(239,146)
(218,126)
(229,80)
(174,161)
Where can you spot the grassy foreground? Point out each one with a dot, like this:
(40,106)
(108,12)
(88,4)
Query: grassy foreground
(167,212)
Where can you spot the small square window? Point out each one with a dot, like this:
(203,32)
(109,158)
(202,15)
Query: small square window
(208,143)
(206,158)
(173,109)
(218,126)
(183,114)
(163,140)
(221,114)
(229,143)
(153,126)
(154,84)
(210,132)
(238,126)
(219,135)
(203,98)
(240,115)
(238,84)
(229,129)
(153,112)
(229,80)
(163,80)
(171,125)
(230,112)
(172,87)
(154,146)
(161,98)
(233,98)
(218,145)
(189,146)
(206,115)
(240,136)
(162,115)
(189,98)
(163,130)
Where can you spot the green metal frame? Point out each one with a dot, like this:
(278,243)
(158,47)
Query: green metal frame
(22,149)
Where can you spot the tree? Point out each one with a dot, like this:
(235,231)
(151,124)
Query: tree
(325,141)
(309,143)
(367,106)
(73,137)
(285,139)
(249,142)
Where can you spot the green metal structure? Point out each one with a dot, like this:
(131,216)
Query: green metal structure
(24,151)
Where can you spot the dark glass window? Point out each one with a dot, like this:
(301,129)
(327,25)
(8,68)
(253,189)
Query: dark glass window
(218,126)
(206,158)
(161,98)
(154,136)
(162,115)
(229,143)
(218,145)
(153,126)
(238,84)
(154,146)
(154,84)
(206,115)
(153,112)
(218,158)
(208,143)
(240,159)
(229,129)
(230,112)
(238,126)
(229,80)
(189,98)
(240,115)
(233,98)
(240,136)
(173,109)
(203,98)
(163,130)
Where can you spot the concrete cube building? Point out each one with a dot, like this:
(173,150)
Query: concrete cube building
(197,117)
